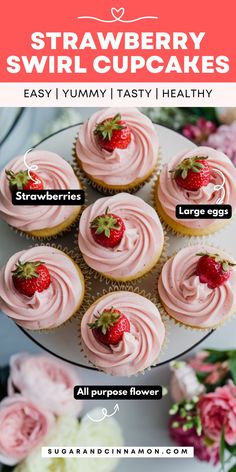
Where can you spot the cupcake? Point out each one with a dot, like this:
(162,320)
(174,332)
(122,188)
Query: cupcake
(122,333)
(197,286)
(200,176)
(41,288)
(53,172)
(120,237)
(117,148)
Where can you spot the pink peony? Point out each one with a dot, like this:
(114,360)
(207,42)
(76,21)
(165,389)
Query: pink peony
(46,381)
(190,438)
(218,411)
(23,426)
(224,139)
(198,363)
(200,131)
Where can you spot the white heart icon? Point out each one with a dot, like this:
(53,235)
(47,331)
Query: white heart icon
(117,13)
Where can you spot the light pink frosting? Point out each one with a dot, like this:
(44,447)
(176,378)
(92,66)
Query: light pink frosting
(56,173)
(139,348)
(187,299)
(53,306)
(171,194)
(122,166)
(142,241)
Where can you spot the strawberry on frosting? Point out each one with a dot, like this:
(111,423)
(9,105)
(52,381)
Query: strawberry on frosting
(195,289)
(107,229)
(117,162)
(123,252)
(141,340)
(182,181)
(49,297)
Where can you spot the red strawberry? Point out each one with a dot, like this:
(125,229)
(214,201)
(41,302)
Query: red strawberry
(23,181)
(30,277)
(192,173)
(212,270)
(110,326)
(113,133)
(107,229)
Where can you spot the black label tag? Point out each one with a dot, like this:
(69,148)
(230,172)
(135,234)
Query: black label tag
(114,392)
(222,212)
(48,197)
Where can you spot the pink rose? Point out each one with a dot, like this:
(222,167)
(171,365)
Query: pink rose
(46,381)
(23,426)
(198,363)
(218,412)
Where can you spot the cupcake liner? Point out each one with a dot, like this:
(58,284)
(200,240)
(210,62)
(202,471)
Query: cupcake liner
(175,231)
(109,191)
(87,285)
(194,241)
(123,287)
(92,273)
(48,238)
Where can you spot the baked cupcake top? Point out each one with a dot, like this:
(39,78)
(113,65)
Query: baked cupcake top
(54,173)
(197,291)
(120,166)
(219,188)
(141,236)
(138,347)
(61,283)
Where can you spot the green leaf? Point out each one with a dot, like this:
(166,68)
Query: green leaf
(216,356)
(232,469)
(174,409)
(231,449)
(222,449)
(232,367)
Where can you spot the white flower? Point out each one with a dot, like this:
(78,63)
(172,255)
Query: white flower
(184,384)
(69,432)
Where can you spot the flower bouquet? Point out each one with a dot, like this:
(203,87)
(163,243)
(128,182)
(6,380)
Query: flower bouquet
(213,127)
(204,412)
(37,409)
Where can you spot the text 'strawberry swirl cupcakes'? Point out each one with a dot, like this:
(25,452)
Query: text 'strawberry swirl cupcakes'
(41,288)
(53,172)
(120,237)
(197,286)
(117,148)
(200,176)
(122,333)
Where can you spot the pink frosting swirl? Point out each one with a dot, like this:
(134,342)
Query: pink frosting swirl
(122,166)
(223,174)
(53,306)
(56,173)
(139,348)
(140,246)
(187,299)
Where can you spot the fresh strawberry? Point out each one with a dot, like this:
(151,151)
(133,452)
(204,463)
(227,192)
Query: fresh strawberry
(212,270)
(107,229)
(110,326)
(192,173)
(30,277)
(113,133)
(23,181)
